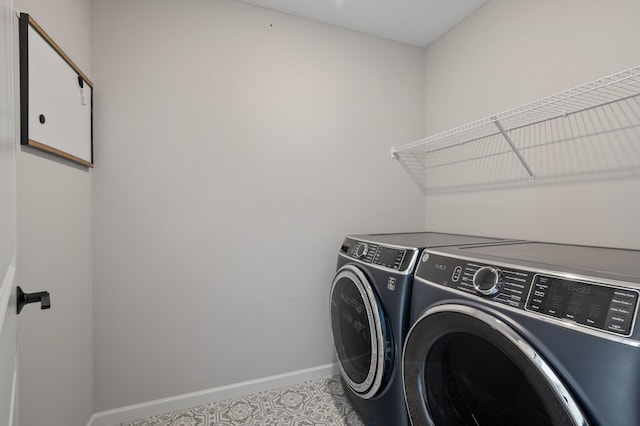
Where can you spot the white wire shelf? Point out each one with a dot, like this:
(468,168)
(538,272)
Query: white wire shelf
(601,115)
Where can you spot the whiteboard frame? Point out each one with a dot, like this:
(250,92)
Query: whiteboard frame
(26,22)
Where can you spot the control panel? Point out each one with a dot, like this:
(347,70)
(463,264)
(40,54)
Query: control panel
(590,304)
(594,305)
(388,257)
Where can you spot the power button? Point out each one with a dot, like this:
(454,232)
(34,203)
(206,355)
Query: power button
(456,274)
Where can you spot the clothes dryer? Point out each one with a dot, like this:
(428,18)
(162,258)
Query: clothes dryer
(370,298)
(528,334)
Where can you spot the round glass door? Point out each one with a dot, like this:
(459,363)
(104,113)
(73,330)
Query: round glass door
(356,325)
(463,367)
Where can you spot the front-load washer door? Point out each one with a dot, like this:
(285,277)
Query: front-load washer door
(359,331)
(462,366)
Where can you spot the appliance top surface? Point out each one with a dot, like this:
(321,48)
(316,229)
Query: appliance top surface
(621,262)
(425,239)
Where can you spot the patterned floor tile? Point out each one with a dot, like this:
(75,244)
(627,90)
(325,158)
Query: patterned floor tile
(314,403)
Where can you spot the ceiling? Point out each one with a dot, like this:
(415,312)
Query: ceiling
(416,22)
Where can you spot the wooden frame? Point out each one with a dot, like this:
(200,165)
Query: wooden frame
(56,106)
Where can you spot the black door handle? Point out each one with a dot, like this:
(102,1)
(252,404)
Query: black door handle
(25,298)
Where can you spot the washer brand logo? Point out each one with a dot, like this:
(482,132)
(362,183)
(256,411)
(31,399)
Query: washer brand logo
(391,284)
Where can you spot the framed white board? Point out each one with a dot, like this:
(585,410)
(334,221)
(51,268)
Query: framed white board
(56,97)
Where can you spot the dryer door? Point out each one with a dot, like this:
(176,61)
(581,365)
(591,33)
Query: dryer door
(359,331)
(462,366)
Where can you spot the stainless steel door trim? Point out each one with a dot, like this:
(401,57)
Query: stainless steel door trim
(560,390)
(370,386)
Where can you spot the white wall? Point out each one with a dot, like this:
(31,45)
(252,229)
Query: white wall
(7,139)
(8,318)
(235,147)
(54,254)
(510,53)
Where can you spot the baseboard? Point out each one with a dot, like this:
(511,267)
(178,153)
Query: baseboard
(181,402)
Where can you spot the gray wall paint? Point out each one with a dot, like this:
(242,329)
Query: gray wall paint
(7,139)
(54,254)
(235,147)
(513,52)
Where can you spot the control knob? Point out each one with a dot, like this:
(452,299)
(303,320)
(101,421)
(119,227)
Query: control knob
(361,250)
(487,280)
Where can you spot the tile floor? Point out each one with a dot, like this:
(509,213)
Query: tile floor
(314,403)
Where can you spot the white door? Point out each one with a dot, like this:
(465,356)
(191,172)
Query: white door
(7,219)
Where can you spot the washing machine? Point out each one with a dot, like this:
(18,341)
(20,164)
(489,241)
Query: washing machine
(370,297)
(524,334)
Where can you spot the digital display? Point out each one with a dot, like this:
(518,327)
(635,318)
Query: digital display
(389,257)
(578,301)
(573,287)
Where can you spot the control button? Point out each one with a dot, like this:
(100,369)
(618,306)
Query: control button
(456,274)
(617,323)
(361,250)
(619,310)
(625,294)
(617,328)
(543,280)
(487,280)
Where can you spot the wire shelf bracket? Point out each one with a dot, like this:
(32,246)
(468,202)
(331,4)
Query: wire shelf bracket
(515,150)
